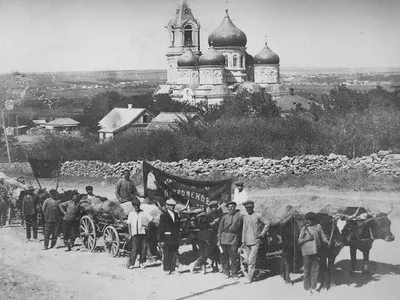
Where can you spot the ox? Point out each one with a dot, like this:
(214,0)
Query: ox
(361,230)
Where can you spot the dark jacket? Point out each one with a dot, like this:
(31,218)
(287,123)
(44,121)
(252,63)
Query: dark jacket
(168,230)
(209,232)
(51,211)
(230,229)
(29,205)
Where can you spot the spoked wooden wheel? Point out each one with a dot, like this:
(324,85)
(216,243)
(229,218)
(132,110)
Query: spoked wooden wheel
(111,240)
(87,232)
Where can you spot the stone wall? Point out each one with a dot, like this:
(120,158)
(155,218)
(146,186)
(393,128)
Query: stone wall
(383,162)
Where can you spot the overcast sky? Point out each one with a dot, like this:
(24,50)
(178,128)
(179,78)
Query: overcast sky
(80,35)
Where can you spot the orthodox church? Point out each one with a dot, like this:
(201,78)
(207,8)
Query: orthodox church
(224,69)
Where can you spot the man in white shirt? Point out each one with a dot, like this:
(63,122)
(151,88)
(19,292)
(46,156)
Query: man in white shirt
(138,222)
(240,194)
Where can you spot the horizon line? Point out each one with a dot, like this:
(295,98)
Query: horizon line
(161,69)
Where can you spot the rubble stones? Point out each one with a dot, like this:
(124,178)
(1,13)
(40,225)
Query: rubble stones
(379,163)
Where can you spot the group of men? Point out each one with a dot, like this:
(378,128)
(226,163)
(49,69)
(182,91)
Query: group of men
(58,217)
(219,234)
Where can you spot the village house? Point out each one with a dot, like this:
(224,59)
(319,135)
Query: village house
(170,120)
(62,125)
(125,120)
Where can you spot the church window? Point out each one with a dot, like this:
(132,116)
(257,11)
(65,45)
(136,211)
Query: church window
(234,61)
(239,62)
(188,35)
(226,60)
(172,35)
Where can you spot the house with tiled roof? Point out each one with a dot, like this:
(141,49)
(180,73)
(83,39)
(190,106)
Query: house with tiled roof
(121,120)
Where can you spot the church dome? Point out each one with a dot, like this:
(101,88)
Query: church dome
(249,60)
(250,86)
(266,57)
(188,59)
(227,35)
(212,57)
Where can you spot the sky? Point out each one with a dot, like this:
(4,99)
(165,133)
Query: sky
(86,35)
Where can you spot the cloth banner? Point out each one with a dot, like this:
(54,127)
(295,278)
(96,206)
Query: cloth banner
(45,168)
(159,183)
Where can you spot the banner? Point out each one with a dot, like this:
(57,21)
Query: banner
(159,183)
(45,168)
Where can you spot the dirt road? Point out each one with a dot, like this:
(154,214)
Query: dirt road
(28,272)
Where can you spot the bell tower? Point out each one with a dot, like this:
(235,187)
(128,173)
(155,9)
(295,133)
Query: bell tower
(184,33)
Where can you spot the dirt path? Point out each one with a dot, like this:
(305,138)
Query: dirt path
(28,272)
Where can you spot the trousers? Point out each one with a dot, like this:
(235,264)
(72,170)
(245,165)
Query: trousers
(69,232)
(170,253)
(311,270)
(31,223)
(50,233)
(138,246)
(3,213)
(250,253)
(230,259)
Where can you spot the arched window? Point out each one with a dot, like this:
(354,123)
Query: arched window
(234,61)
(226,59)
(188,35)
(239,62)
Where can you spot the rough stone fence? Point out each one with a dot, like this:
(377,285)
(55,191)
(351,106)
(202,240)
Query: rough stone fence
(381,163)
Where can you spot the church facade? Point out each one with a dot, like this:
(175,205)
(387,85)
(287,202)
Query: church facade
(222,70)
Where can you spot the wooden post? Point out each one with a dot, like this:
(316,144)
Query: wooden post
(38,182)
(5,136)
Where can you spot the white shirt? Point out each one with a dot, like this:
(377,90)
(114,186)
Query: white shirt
(138,222)
(240,197)
(171,213)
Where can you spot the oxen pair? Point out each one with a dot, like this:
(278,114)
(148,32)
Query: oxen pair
(357,233)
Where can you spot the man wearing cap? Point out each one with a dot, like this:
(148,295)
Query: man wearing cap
(310,239)
(138,223)
(229,236)
(125,188)
(207,237)
(72,213)
(240,194)
(51,213)
(254,228)
(29,211)
(168,236)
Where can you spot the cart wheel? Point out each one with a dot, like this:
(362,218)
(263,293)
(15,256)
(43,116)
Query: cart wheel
(87,232)
(111,240)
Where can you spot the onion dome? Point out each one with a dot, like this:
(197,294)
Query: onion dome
(266,57)
(249,60)
(249,86)
(212,57)
(227,35)
(188,59)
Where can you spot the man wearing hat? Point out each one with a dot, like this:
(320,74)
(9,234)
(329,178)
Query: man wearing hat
(310,239)
(51,213)
(240,194)
(168,236)
(138,223)
(229,236)
(207,237)
(29,211)
(254,228)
